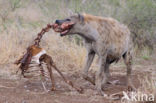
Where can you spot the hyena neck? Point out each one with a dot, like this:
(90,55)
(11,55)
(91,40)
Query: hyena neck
(89,34)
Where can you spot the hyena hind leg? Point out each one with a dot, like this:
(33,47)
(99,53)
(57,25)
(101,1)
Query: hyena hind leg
(128,62)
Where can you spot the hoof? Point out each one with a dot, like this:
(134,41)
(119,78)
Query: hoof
(89,79)
(70,83)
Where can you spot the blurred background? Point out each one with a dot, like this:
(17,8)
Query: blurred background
(21,20)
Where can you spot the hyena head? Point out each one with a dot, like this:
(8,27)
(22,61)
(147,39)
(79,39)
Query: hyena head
(71,25)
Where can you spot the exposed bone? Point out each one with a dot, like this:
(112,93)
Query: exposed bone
(29,61)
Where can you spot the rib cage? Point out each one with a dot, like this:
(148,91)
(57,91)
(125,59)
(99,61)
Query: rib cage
(35,71)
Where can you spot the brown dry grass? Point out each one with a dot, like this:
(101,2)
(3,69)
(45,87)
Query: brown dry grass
(14,43)
(21,27)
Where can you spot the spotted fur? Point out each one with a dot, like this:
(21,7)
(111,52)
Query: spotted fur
(107,38)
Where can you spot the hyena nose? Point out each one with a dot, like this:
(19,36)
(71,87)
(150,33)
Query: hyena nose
(57,21)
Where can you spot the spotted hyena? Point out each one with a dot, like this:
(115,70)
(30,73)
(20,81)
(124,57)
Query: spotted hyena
(106,37)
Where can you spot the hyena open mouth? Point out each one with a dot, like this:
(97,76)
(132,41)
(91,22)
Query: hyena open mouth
(63,27)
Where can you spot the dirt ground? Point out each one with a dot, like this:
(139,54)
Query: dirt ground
(20,90)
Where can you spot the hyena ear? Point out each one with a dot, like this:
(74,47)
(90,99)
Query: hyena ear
(70,13)
(81,18)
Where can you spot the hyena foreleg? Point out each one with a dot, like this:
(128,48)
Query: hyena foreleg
(102,75)
(89,60)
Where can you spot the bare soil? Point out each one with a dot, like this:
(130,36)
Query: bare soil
(31,91)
